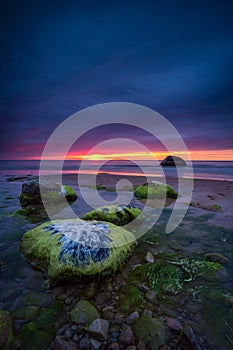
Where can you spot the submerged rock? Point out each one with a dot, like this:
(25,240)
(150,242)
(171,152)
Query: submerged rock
(83,312)
(6,330)
(173,161)
(151,331)
(73,247)
(117,214)
(99,328)
(30,193)
(155,190)
(216,257)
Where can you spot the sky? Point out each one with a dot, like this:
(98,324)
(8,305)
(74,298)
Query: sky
(172,56)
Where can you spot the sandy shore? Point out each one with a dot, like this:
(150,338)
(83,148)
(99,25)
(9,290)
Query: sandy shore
(211,195)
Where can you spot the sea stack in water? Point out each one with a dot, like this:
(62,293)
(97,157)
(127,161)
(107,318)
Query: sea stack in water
(30,193)
(173,161)
(74,247)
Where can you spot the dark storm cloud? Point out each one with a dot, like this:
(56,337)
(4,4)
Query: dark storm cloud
(57,58)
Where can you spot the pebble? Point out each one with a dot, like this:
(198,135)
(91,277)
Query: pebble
(114,346)
(127,336)
(99,328)
(84,343)
(141,345)
(95,345)
(132,317)
(61,343)
(150,257)
(103,298)
(68,333)
(173,324)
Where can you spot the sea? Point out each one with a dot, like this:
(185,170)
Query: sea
(212,170)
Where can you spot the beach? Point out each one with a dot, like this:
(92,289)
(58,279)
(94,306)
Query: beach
(199,313)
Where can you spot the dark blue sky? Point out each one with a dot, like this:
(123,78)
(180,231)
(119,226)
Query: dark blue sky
(59,57)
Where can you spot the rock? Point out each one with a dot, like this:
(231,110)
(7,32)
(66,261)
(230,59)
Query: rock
(31,193)
(127,336)
(95,345)
(216,257)
(68,333)
(114,346)
(117,214)
(83,312)
(151,331)
(156,190)
(150,257)
(61,343)
(103,298)
(41,299)
(131,347)
(73,247)
(84,343)
(132,317)
(99,328)
(6,330)
(173,324)
(141,345)
(188,339)
(173,161)
(150,296)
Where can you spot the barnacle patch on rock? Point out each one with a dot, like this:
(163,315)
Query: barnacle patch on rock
(74,247)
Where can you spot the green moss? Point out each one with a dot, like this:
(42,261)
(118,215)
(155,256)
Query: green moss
(71,195)
(33,214)
(102,188)
(130,297)
(43,249)
(114,214)
(153,191)
(83,312)
(151,331)
(6,330)
(215,207)
(37,335)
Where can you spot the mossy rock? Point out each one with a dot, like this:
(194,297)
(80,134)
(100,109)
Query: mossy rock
(155,190)
(130,298)
(117,214)
(83,312)
(52,193)
(6,330)
(73,247)
(39,333)
(151,331)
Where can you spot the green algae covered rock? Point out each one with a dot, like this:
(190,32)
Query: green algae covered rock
(151,331)
(31,194)
(155,190)
(117,214)
(6,330)
(74,247)
(83,312)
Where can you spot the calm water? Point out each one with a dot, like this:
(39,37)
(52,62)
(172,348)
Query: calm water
(206,170)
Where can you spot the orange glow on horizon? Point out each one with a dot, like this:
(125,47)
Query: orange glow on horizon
(196,155)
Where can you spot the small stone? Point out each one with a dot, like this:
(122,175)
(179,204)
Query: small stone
(84,343)
(95,345)
(103,298)
(76,338)
(74,327)
(68,301)
(61,331)
(216,257)
(173,324)
(141,345)
(188,339)
(68,333)
(150,296)
(131,347)
(99,328)
(127,336)
(61,343)
(83,312)
(132,317)
(114,346)
(147,313)
(150,257)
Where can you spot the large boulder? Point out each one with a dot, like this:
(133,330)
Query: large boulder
(31,194)
(155,190)
(74,247)
(119,215)
(173,161)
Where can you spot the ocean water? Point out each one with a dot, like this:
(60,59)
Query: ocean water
(201,169)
